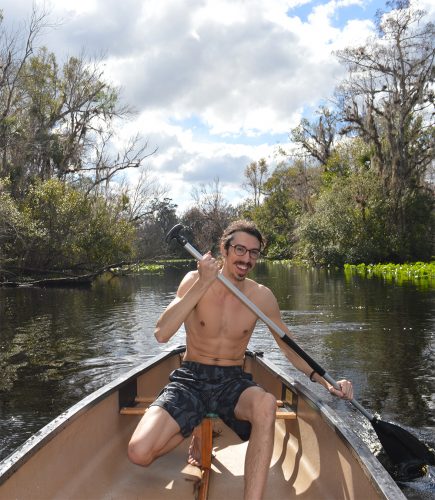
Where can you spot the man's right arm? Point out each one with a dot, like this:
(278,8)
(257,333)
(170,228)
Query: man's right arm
(189,293)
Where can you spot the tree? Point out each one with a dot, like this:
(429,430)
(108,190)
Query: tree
(15,50)
(256,174)
(161,217)
(59,120)
(289,192)
(64,229)
(140,198)
(349,224)
(388,96)
(384,115)
(210,215)
(387,100)
(317,138)
(14,230)
(350,155)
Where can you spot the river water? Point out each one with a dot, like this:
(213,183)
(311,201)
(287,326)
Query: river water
(58,345)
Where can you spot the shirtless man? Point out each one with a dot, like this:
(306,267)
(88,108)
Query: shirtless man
(211,379)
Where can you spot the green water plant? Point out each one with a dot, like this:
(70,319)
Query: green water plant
(148,268)
(421,273)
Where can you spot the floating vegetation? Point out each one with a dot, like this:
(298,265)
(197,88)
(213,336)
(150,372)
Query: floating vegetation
(148,268)
(158,267)
(292,262)
(419,273)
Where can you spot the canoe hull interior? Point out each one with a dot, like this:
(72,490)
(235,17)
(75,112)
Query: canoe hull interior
(82,454)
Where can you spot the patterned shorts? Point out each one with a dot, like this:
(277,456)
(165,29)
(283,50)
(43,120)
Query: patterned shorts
(196,389)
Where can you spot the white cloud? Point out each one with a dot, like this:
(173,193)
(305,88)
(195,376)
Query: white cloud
(216,83)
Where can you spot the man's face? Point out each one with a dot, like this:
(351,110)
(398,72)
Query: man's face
(239,265)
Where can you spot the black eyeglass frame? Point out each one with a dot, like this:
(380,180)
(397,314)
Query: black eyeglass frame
(243,249)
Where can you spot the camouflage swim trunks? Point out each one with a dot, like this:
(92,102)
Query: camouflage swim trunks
(196,390)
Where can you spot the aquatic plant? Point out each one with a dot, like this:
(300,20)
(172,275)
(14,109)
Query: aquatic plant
(421,273)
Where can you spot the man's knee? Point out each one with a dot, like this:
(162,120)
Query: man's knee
(139,455)
(264,409)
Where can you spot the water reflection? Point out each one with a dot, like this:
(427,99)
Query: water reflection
(57,345)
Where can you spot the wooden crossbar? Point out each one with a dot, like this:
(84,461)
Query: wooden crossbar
(151,399)
(140,410)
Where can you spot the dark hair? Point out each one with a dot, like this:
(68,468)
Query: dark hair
(244,226)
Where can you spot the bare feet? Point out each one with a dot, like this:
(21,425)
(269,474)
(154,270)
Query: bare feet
(194,457)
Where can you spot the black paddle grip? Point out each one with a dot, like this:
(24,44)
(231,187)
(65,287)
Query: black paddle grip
(174,233)
(306,357)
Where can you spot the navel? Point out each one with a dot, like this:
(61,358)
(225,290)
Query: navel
(202,323)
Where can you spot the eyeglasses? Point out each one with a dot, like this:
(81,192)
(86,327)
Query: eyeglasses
(240,250)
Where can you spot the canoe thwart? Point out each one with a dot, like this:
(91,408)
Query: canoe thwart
(150,399)
(140,410)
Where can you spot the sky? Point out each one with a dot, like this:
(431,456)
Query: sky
(215,84)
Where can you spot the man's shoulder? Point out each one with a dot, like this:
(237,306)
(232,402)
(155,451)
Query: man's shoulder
(188,279)
(190,275)
(263,297)
(259,289)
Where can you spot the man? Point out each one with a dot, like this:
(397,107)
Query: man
(218,328)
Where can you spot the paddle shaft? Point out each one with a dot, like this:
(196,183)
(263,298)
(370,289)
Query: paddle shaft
(273,326)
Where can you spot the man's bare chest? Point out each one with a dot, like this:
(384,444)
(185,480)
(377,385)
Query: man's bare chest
(223,316)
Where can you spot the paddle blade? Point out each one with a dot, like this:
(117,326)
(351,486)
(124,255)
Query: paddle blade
(401,446)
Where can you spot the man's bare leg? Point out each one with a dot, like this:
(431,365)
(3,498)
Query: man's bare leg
(259,407)
(156,434)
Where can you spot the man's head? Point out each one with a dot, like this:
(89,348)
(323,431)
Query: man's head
(240,246)
(244,226)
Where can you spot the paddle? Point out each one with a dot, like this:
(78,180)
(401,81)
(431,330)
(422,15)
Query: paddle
(403,448)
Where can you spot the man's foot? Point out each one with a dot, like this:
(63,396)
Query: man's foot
(194,457)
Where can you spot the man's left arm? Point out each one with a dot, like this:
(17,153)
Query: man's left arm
(270,307)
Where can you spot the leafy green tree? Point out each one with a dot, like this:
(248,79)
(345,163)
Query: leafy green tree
(387,100)
(384,107)
(15,230)
(109,237)
(72,230)
(350,223)
(350,155)
(289,192)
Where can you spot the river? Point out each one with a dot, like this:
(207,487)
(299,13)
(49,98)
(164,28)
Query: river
(58,345)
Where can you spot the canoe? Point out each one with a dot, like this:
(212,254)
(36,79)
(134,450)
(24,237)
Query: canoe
(82,454)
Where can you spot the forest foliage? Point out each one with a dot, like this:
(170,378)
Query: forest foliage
(356,188)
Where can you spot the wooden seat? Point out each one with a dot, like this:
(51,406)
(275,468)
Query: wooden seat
(206,431)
